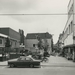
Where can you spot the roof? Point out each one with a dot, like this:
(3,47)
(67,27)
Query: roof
(2,35)
(41,35)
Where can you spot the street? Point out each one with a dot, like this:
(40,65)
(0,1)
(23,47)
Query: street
(55,66)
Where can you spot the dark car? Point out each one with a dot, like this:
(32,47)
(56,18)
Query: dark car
(24,61)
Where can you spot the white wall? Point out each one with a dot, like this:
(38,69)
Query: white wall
(74,12)
(68,40)
(70,4)
(29,42)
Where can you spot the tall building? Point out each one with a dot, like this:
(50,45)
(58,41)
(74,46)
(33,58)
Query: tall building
(69,31)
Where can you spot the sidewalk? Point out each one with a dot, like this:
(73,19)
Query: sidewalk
(56,61)
(5,63)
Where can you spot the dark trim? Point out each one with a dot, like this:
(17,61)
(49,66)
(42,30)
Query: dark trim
(69,46)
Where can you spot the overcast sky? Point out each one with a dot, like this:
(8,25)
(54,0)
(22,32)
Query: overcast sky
(54,24)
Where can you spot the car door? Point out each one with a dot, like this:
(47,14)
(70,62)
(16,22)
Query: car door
(21,62)
(28,61)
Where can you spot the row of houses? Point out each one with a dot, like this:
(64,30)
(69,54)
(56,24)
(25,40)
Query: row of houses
(18,40)
(66,39)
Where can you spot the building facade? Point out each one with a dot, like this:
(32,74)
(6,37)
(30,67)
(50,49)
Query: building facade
(69,32)
(32,41)
(2,40)
(13,36)
(69,29)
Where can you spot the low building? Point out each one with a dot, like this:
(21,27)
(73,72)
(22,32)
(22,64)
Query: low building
(32,41)
(2,40)
(13,35)
(69,32)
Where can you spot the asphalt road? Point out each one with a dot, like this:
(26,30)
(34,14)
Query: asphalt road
(4,70)
(51,68)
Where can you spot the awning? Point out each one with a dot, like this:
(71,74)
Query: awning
(2,35)
(69,46)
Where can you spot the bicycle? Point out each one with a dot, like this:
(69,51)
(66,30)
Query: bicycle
(45,59)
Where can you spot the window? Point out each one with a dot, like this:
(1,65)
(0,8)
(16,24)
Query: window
(33,45)
(28,59)
(69,29)
(0,41)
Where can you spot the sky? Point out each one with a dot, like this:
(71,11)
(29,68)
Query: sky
(54,24)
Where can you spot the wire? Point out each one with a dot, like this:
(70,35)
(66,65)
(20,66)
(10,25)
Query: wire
(40,14)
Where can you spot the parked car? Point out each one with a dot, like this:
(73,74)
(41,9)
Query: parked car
(24,61)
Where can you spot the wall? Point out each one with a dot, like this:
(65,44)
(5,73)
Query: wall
(30,42)
(14,44)
(70,4)
(74,15)
(10,32)
(68,40)
(14,36)
(69,29)
(4,31)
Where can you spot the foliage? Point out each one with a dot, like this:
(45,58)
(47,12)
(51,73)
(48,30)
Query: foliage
(7,44)
(43,45)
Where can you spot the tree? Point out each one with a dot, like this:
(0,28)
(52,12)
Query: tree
(7,44)
(40,46)
(52,44)
(43,45)
(46,45)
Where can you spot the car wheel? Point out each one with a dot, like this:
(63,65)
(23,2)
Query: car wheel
(31,65)
(12,65)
